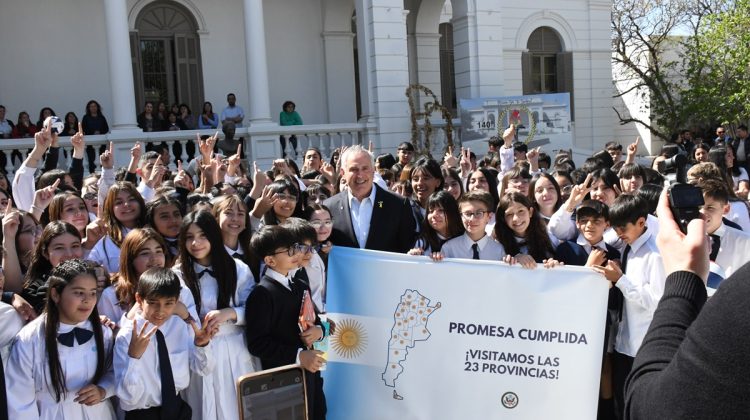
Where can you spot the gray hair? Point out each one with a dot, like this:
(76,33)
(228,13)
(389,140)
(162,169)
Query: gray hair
(353,151)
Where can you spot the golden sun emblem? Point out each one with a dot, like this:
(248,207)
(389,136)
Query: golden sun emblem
(350,339)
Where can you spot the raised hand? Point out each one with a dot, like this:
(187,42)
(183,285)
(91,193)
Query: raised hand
(234,161)
(94,232)
(633,147)
(43,197)
(182,179)
(136,151)
(465,162)
(139,339)
(509,134)
(157,173)
(596,257)
(450,160)
(78,142)
(259,177)
(11,221)
(264,203)
(107,159)
(578,193)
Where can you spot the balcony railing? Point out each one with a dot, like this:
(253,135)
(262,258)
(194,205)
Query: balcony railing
(326,137)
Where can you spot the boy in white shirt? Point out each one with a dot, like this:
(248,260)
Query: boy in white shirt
(154,354)
(476,210)
(640,277)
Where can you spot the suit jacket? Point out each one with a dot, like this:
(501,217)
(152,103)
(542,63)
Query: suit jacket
(736,145)
(271,323)
(571,253)
(392,227)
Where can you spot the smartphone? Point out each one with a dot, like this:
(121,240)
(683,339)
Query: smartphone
(274,394)
(685,201)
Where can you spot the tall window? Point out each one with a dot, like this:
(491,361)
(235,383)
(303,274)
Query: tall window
(165,53)
(546,67)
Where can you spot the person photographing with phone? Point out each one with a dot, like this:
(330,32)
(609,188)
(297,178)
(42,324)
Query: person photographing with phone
(692,362)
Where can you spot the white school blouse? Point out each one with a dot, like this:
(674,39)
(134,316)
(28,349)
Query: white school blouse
(10,324)
(138,381)
(107,253)
(214,396)
(30,394)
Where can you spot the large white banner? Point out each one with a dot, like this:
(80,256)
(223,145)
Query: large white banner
(461,339)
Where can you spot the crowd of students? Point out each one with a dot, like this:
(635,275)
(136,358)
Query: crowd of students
(189,279)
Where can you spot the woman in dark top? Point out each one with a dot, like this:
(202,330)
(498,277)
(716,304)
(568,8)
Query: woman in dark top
(43,114)
(71,125)
(94,123)
(147,120)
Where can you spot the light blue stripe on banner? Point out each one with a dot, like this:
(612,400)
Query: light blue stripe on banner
(349,378)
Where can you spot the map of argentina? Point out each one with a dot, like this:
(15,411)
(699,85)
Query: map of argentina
(409,326)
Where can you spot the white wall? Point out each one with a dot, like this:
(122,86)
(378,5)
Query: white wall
(584,29)
(53,54)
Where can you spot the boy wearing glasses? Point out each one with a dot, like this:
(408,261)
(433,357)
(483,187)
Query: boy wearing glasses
(474,207)
(272,313)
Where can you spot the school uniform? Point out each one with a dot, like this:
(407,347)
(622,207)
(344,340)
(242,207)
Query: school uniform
(642,286)
(109,305)
(214,396)
(10,324)
(107,253)
(139,381)
(316,274)
(464,247)
(30,394)
(730,250)
(577,253)
(272,331)
(562,225)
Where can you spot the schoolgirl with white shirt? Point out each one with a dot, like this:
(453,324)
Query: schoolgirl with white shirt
(123,211)
(142,249)
(220,286)
(164,213)
(58,365)
(232,214)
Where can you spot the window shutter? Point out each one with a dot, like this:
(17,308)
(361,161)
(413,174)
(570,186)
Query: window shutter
(188,70)
(526,72)
(565,77)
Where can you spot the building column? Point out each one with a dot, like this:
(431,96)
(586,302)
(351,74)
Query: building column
(428,61)
(120,65)
(381,26)
(257,69)
(478,48)
(340,84)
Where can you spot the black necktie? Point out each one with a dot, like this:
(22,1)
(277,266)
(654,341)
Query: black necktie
(715,245)
(624,264)
(475,251)
(237,255)
(78,334)
(169,401)
(206,271)
(171,243)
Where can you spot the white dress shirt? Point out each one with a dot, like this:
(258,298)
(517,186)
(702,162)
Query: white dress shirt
(563,226)
(738,213)
(30,395)
(109,306)
(461,247)
(107,253)
(10,323)
(316,273)
(580,240)
(361,213)
(734,251)
(139,380)
(642,289)
(146,192)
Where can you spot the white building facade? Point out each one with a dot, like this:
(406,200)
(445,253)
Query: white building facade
(340,61)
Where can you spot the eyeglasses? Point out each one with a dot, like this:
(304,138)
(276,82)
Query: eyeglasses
(305,249)
(89,196)
(478,214)
(286,197)
(317,224)
(295,249)
(566,189)
(35,231)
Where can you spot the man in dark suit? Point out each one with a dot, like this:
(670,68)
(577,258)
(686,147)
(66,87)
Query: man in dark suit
(365,215)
